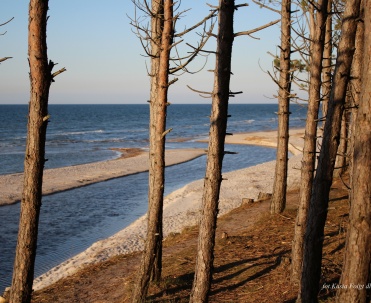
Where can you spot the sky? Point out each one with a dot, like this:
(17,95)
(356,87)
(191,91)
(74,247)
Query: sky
(105,61)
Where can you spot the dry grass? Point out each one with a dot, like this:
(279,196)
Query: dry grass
(252,264)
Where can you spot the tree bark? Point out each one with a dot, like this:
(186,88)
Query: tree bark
(158,136)
(357,249)
(355,86)
(317,214)
(278,202)
(162,35)
(341,156)
(213,175)
(327,64)
(40,79)
(317,36)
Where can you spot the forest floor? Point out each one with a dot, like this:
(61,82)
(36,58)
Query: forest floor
(252,264)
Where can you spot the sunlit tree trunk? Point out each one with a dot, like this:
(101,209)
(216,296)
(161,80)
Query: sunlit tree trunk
(278,201)
(314,235)
(158,134)
(40,78)
(317,36)
(341,156)
(358,244)
(162,35)
(327,64)
(355,86)
(213,175)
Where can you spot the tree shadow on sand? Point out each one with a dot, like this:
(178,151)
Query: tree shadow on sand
(178,287)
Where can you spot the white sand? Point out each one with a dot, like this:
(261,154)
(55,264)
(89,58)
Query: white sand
(269,139)
(60,179)
(182,207)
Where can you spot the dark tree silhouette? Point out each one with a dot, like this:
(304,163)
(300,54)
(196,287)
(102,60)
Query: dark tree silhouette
(318,15)
(314,235)
(356,268)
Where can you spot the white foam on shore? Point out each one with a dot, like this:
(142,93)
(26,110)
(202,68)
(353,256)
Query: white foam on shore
(181,209)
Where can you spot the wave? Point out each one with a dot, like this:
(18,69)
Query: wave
(98,131)
(104,140)
(249,121)
(123,130)
(298,118)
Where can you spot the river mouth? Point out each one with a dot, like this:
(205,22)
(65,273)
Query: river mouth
(73,220)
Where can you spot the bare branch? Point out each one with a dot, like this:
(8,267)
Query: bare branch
(267,7)
(5,58)
(240,5)
(201,93)
(202,50)
(273,78)
(146,38)
(211,15)
(166,132)
(58,72)
(172,81)
(193,55)
(7,21)
(235,93)
(213,6)
(317,8)
(257,29)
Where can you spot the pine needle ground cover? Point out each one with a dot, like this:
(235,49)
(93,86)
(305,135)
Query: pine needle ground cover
(252,260)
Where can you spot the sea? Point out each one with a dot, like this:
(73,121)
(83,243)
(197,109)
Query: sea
(73,220)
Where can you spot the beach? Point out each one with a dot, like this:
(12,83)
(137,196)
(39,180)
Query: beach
(131,161)
(182,207)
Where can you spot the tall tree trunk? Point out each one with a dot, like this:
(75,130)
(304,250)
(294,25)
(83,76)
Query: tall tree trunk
(358,243)
(162,34)
(317,30)
(317,214)
(327,64)
(40,79)
(341,156)
(213,175)
(158,135)
(278,201)
(355,85)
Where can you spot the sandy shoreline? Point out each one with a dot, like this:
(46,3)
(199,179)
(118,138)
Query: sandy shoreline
(132,161)
(269,139)
(182,207)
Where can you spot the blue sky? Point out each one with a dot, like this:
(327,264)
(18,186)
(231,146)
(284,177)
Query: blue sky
(104,59)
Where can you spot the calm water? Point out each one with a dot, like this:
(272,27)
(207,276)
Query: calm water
(85,133)
(71,221)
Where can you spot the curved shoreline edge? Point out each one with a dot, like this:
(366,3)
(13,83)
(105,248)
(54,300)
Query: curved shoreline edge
(69,177)
(181,207)
(131,161)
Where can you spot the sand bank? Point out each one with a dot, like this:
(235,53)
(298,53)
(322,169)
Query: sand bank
(182,207)
(132,161)
(269,139)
